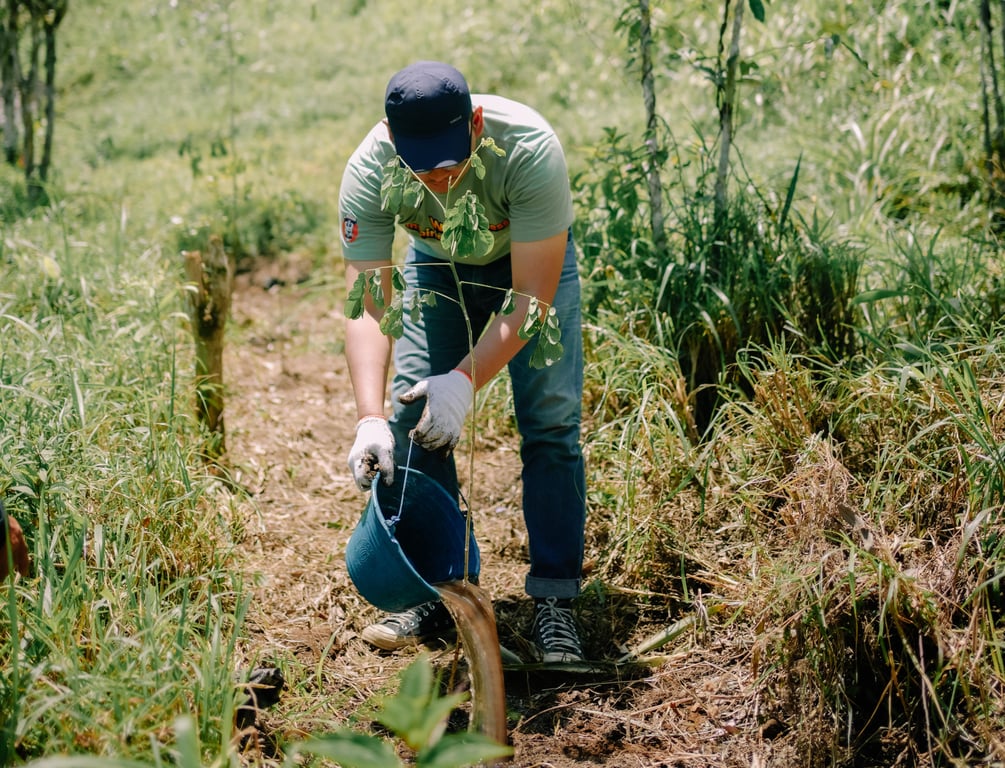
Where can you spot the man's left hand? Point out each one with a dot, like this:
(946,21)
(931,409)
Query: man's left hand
(448,400)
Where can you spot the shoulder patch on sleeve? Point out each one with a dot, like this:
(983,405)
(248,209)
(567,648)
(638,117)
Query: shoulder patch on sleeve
(350,228)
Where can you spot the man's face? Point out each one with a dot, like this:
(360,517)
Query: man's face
(440,180)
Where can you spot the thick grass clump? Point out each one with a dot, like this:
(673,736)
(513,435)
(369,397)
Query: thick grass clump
(848,516)
(730,279)
(128,620)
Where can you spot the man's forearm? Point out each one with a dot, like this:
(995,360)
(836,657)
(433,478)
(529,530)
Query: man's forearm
(368,353)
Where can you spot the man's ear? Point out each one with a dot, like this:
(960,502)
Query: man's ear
(477,123)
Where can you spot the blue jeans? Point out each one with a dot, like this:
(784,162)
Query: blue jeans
(547,404)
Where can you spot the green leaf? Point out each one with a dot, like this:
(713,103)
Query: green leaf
(478,166)
(466,229)
(187,743)
(354,299)
(392,322)
(350,750)
(461,749)
(390,196)
(413,194)
(509,303)
(85,761)
(551,331)
(376,288)
(417,714)
(490,144)
(757,8)
(867,297)
(531,321)
(401,712)
(393,185)
(546,353)
(398,280)
(484,242)
(415,307)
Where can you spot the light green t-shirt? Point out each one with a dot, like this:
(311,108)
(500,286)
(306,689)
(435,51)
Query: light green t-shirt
(525,193)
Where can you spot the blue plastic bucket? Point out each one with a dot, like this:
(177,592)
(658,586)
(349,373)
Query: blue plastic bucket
(399,550)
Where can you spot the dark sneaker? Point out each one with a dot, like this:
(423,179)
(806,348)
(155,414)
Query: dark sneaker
(554,631)
(426,622)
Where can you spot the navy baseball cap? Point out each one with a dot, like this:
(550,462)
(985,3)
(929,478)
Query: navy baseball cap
(428,107)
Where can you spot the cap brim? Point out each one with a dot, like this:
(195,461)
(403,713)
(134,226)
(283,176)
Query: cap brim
(424,153)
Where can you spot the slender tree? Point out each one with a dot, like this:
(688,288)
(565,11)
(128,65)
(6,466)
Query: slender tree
(993,109)
(51,19)
(727,100)
(29,29)
(656,217)
(9,75)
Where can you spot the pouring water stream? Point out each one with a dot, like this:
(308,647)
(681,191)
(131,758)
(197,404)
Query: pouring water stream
(471,609)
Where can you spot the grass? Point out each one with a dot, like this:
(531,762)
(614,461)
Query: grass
(131,613)
(845,507)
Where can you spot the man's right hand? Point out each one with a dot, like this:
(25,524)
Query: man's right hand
(372,452)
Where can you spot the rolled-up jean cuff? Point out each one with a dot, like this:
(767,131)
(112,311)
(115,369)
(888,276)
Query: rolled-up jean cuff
(563,588)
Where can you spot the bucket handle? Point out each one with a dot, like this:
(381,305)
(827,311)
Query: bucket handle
(393,521)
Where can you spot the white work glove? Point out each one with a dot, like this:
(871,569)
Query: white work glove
(373,451)
(448,400)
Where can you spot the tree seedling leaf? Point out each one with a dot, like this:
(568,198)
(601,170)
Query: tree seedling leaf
(413,194)
(456,749)
(392,322)
(490,144)
(376,287)
(354,299)
(509,303)
(390,195)
(531,321)
(350,749)
(398,280)
(478,166)
(466,229)
(545,353)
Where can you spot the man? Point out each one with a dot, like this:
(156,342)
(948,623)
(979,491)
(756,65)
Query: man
(432,125)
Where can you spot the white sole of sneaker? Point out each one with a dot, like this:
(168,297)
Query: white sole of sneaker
(386,639)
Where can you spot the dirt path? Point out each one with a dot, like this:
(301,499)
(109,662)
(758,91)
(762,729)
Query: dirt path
(290,417)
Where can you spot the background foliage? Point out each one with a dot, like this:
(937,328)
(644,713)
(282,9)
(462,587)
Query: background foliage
(795,411)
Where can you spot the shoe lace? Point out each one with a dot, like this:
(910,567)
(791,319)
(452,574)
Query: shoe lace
(409,621)
(556,627)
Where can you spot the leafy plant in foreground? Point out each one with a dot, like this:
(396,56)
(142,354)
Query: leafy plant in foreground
(417,715)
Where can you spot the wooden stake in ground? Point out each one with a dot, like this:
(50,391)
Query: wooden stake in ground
(13,548)
(210,278)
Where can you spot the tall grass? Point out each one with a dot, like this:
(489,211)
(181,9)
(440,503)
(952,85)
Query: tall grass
(129,618)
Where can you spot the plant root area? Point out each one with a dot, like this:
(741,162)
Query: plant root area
(290,420)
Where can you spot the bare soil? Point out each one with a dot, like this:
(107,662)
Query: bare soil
(290,419)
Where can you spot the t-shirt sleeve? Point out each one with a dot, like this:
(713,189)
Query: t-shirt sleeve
(540,198)
(366,231)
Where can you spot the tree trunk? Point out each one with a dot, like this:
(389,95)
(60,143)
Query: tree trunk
(656,218)
(993,113)
(29,91)
(51,22)
(210,282)
(726,107)
(9,75)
